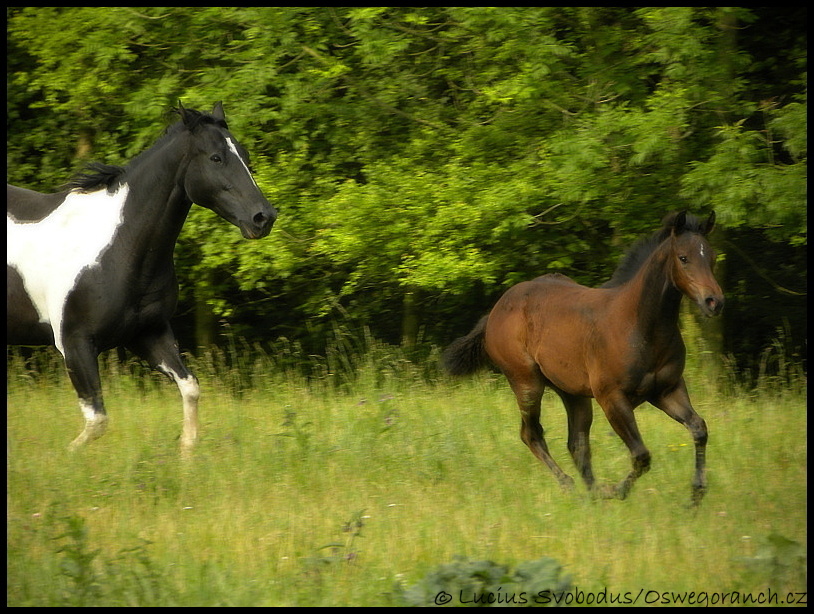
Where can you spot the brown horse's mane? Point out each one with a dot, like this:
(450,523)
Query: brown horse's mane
(637,255)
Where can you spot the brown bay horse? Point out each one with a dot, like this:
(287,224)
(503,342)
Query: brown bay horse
(619,343)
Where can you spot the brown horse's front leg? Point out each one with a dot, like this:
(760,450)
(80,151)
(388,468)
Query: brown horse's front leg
(641,465)
(619,412)
(676,404)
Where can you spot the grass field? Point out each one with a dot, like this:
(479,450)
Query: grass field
(348,488)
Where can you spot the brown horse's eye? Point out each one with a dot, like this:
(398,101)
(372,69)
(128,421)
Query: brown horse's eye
(683,259)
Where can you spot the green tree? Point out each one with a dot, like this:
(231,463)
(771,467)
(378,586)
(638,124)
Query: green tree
(423,159)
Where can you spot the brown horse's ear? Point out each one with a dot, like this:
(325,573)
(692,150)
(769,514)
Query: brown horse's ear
(710,224)
(680,223)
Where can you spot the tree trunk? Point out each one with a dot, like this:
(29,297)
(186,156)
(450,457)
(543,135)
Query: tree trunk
(410,319)
(205,320)
(84,145)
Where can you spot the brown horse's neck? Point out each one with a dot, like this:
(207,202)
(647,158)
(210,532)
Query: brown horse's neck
(658,299)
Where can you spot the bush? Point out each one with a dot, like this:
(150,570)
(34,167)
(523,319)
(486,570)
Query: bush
(484,583)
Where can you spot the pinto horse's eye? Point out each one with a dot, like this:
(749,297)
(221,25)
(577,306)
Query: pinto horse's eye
(216,158)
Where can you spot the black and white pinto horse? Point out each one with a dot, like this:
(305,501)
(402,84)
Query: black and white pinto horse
(91,269)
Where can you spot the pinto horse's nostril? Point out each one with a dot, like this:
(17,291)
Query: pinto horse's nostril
(263,221)
(269,217)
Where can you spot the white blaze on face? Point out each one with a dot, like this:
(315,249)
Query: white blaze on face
(233,149)
(50,254)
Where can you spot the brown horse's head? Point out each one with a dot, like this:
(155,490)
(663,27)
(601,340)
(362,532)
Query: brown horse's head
(692,260)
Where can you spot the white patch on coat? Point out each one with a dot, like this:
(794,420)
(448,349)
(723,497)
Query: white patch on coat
(50,254)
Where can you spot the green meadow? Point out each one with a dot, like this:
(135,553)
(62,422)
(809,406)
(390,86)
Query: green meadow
(352,479)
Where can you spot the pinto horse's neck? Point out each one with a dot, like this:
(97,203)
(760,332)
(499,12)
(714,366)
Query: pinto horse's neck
(157,204)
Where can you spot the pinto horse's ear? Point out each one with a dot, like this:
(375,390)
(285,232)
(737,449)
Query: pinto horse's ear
(182,112)
(217,112)
(710,224)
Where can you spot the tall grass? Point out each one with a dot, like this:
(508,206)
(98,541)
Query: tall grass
(346,478)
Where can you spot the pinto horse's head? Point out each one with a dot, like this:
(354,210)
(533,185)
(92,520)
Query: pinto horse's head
(218,175)
(692,261)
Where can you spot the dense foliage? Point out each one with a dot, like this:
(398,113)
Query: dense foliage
(424,159)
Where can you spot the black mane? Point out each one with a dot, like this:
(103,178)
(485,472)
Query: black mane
(191,119)
(99,176)
(96,177)
(644,247)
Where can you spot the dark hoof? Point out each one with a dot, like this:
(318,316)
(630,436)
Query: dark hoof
(567,483)
(607,491)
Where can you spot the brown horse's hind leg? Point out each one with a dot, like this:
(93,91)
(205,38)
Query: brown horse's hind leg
(529,396)
(580,417)
(676,404)
(620,415)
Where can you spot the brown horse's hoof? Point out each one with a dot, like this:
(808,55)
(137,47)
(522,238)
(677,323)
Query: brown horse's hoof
(698,493)
(567,483)
(605,491)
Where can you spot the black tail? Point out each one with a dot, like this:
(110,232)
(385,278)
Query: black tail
(466,355)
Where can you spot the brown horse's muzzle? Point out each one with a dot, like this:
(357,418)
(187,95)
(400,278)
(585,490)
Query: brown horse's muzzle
(712,304)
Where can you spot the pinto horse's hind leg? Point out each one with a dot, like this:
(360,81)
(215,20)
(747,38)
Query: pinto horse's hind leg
(529,394)
(190,393)
(83,369)
(161,352)
(676,404)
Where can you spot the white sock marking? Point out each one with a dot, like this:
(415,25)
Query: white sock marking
(190,392)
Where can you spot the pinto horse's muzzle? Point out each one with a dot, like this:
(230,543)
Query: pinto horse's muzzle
(260,224)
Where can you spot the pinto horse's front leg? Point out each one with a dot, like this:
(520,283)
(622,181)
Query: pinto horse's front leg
(160,350)
(81,360)
(676,404)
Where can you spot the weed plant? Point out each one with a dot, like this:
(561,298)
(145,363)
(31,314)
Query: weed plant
(362,476)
